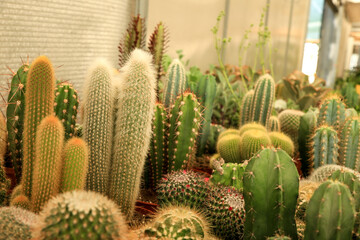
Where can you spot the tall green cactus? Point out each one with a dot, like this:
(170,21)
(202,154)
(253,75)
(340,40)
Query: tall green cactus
(274,124)
(75,165)
(98,125)
(271,185)
(289,124)
(48,161)
(15,111)
(133,130)
(332,112)
(175,82)
(183,129)
(66,107)
(262,100)
(324,146)
(330,213)
(39,97)
(350,143)
(246,108)
(206,90)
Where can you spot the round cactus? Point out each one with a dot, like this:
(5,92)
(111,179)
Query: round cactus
(306,190)
(274,124)
(21,201)
(252,141)
(280,140)
(80,215)
(229,148)
(251,126)
(182,188)
(227,132)
(228,174)
(350,112)
(289,123)
(322,173)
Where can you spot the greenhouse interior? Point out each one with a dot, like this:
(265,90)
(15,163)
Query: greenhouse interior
(154,119)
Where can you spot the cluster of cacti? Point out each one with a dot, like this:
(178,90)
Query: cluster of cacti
(15,223)
(289,124)
(332,112)
(228,174)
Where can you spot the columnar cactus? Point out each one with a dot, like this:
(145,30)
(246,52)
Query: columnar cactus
(262,100)
(324,146)
(48,161)
(75,163)
(184,124)
(322,173)
(252,141)
(39,97)
(229,148)
(15,111)
(80,215)
(215,131)
(330,213)
(246,108)
(98,125)
(274,124)
(228,174)
(280,140)
(66,107)
(332,112)
(251,126)
(271,185)
(350,143)
(289,124)
(175,82)
(132,130)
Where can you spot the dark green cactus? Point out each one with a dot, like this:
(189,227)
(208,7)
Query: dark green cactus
(262,100)
(229,148)
(349,153)
(4,184)
(252,141)
(175,82)
(215,131)
(330,213)
(15,111)
(289,124)
(271,185)
(274,124)
(66,107)
(246,108)
(280,140)
(324,146)
(332,112)
(228,174)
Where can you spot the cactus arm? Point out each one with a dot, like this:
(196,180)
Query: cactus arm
(175,82)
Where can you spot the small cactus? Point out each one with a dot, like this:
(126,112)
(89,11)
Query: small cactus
(322,173)
(251,126)
(350,143)
(332,112)
(22,201)
(350,112)
(252,141)
(289,124)
(229,148)
(246,108)
(229,174)
(280,140)
(274,124)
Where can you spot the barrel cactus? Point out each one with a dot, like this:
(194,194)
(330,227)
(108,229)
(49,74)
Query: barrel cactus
(289,124)
(322,173)
(251,126)
(229,148)
(281,140)
(252,141)
(246,108)
(229,174)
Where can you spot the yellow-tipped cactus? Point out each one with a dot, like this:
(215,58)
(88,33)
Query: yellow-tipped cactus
(251,126)
(280,140)
(252,141)
(229,148)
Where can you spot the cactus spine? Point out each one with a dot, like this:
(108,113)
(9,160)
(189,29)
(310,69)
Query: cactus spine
(322,173)
(252,141)
(98,125)
(48,161)
(332,112)
(246,108)
(271,184)
(251,126)
(274,124)
(39,97)
(262,101)
(133,130)
(350,144)
(175,82)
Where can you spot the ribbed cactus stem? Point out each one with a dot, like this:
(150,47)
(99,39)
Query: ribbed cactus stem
(175,82)
(246,108)
(39,99)
(157,45)
(350,144)
(289,124)
(229,148)
(133,130)
(274,124)
(48,161)
(332,112)
(252,141)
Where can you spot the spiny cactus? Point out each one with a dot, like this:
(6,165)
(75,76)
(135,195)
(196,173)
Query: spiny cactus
(75,162)
(330,213)
(39,97)
(184,120)
(228,174)
(215,131)
(332,112)
(271,185)
(262,100)
(178,223)
(4,184)
(183,188)
(48,161)
(98,125)
(227,132)
(80,215)
(66,107)
(22,201)
(175,82)
(229,148)
(18,190)
(322,173)
(280,140)
(251,126)
(225,212)
(324,146)
(246,108)
(132,130)
(289,124)
(350,143)
(278,237)
(350,112)
(306,190)
(15,111)
(274,124)
(252,141)
(306,130)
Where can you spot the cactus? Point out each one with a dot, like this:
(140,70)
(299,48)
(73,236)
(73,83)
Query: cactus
(322,173)
(271,185)
(324,146)
(262,100)
(289,124)
(18,190)
(227,132)
(306,190)
(175,82)
(246,108)
(279,237)
(206,90)
(183,129)
(306,130)
(75,165)
(332,112)
(4,184)
(252,141)
(330,213)
(251,126)
(350,112)
(274,124)
(22,201)
(133,130)
(39,97)
(66,107)
(225,212)
(178,223)
(229,148)
(15,111)
(48,161)
(280,140)
(98,125)
(349,153)
(80,215)
(3,136)
(228,174)
(215,131)
(183,188)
